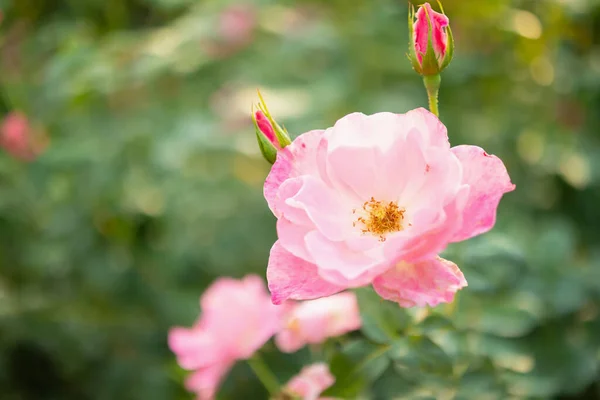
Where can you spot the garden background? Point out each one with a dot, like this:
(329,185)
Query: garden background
(148,186)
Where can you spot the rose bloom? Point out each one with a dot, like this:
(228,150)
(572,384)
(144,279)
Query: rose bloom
(310,383)
(374,200)
(425,15)
(316,320)
(237,319)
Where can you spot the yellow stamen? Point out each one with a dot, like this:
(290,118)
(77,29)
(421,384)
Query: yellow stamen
(380,218)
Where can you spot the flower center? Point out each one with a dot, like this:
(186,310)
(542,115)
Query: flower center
(380,218)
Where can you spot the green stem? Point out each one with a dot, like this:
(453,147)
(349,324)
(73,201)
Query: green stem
(264,374)
(432,85)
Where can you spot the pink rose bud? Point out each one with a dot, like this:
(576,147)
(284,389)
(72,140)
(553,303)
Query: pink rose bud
(270,136)
(316,320)
(237,319)
(310,382)
(266,128)
(431,43)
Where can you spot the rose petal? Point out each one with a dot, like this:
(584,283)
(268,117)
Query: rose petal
(194,347)
(311,382)
(314,321)
(326,209)
(429,282)
(292,238)
(432,130)
(421,31)
(339,264)
(297,159)
(290,277)
(205,381)
(488,179)
(430,233)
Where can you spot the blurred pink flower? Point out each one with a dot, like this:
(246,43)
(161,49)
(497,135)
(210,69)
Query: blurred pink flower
(234,30)
(316,320)
(17,137)
(237,319)
(236,24)
(374,200)
(439,36)
(311,382)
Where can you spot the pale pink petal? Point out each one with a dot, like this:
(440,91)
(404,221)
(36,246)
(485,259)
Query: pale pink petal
(289,209)
(325,208)
(400,159)
(350,131)
(430,233)
(205,381)
(439,179)
(288,341)
(341,265)
(488,179)
(194,347)
(292,238)
(433,131)
(290,277)
(299,158)
(312,322)
(363,179)
(240,315)
(429,282)
(311,382)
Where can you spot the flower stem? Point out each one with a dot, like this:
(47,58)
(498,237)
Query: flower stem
(432,85)
(264,374)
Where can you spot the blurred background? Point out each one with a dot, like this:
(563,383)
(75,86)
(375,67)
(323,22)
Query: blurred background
(130,179)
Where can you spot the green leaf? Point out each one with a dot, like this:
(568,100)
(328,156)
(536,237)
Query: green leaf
(419,353)
(382,321)
(481,381)
(358,364)
(435,323)
(390,385)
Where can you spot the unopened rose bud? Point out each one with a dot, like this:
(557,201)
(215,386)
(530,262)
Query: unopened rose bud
(270,136)
(431,43)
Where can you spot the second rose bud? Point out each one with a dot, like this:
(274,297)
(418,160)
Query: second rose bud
(431,43)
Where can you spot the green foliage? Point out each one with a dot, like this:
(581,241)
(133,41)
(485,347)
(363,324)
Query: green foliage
(151,187)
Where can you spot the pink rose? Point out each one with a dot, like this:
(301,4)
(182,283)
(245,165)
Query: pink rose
(427,21)
(374,200)
(18,139)
(237,319)
(311,382)
(316,320)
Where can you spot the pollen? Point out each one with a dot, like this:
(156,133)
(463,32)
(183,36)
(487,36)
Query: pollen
(379,218)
